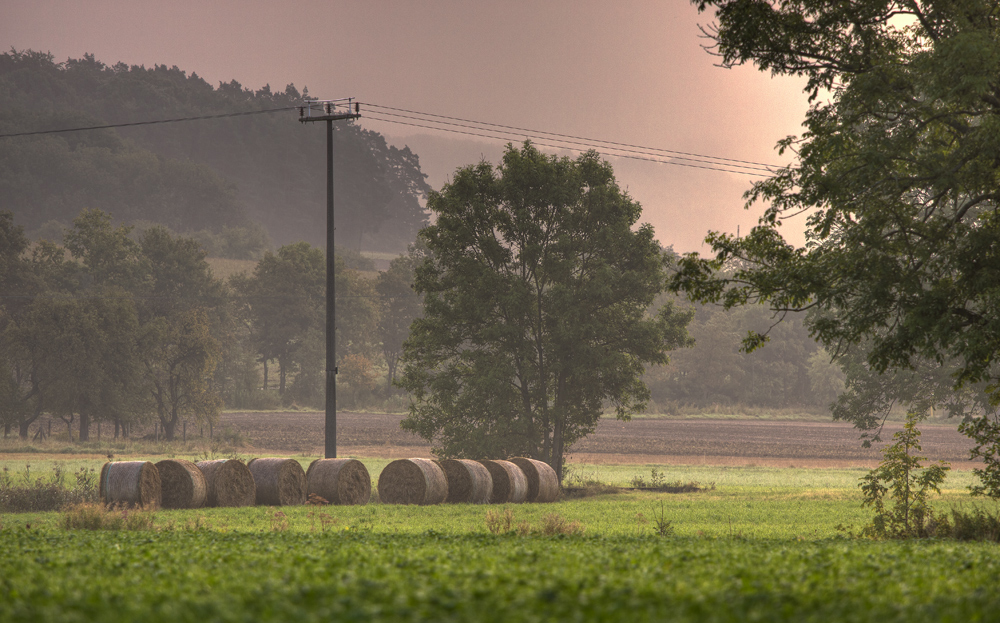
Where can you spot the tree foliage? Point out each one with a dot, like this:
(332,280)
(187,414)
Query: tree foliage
(897,169)
(108,328)
(401,305)
(535,298)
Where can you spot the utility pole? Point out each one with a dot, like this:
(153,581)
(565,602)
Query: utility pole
(330,111)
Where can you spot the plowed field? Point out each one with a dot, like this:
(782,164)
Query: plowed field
(641,441)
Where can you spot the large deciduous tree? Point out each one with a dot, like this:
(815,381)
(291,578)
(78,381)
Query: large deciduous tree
(536,293)
(898,167)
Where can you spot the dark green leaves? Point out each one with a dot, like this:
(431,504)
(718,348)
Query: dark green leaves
(535,292)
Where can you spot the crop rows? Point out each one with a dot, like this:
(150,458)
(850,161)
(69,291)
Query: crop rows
(209,576)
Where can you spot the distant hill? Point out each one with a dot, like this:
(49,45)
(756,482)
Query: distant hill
(198,175)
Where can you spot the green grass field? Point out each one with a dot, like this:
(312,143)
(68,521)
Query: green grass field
(764,544)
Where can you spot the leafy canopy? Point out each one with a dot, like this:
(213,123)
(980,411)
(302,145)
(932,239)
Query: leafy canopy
(536,293)
(898,169)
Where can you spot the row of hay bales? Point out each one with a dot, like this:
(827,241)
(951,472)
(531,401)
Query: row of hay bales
(176,483)
(422,481)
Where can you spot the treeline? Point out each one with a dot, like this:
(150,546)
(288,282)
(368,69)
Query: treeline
(124,326)
(200,175)
(790,372)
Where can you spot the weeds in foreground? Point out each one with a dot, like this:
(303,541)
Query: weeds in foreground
(976,525)
(552,524)
(326,521)
(279,522)
(663,526)
(658,482)
(91,516)
(26,492)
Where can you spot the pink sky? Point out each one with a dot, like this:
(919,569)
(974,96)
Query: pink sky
(629,71)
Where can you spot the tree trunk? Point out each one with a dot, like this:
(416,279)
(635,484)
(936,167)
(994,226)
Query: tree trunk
(557,448)
(84,426)
(6,430)
(69,425)
(24,423)
(118,424)
(168,430)
(559,425)
(282,371)
(264,361)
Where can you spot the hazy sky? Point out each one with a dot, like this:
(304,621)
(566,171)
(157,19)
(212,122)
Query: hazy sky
(628,71)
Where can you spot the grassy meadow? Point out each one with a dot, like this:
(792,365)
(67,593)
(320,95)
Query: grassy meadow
(754,543)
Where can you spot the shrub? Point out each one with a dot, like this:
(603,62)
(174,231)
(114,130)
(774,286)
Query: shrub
(976,525)
(28,494)
(901,476)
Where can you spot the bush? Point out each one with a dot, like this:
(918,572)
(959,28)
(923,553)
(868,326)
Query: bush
(901,476)
(976,525)
(27,494)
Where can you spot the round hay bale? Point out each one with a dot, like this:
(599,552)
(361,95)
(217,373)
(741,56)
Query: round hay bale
(229,482)
(468,481)
(339,481)
(130,483)
(182,484)
(543,484)
(412,481)
(509,483)
(280,482)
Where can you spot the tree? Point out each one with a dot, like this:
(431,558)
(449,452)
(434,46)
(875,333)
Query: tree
(180,355)
(286,298)
(13,277)
(826,379)
(356,371)
(111,258)
(94,372)
(182,311)
(358,312)
(908,483)
(400,307)
(897,168)
(535,297)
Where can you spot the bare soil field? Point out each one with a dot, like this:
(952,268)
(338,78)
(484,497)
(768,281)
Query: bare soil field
(641,441)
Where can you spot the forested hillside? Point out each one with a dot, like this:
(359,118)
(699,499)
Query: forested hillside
(197,175)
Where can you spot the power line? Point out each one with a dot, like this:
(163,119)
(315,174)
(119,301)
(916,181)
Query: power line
(491,131)
(587,140)
(650,157)
(622,152)
(152,122)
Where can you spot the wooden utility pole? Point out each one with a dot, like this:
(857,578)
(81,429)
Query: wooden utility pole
(330,111)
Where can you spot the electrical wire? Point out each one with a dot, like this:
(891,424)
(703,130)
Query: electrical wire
(650,157)
(622,152)
(491,131)
(152,122)
(767,167)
